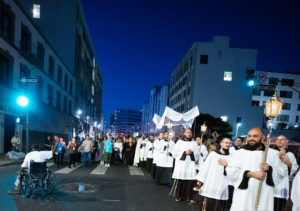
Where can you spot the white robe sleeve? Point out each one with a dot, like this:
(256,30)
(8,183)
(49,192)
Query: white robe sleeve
(294,166)
(234,170)
(202,175)
(204,152)
(295,193)
(137,153)
(176,150)
(195,150)
(279,169)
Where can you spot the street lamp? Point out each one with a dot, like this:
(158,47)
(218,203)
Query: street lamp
(272,110)
(237,129)
(23,102)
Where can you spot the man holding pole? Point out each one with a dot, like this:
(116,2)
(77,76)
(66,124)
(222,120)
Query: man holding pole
(246,169)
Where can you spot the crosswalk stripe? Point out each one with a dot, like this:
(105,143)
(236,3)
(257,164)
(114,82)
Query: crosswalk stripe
(66,170)
(135,171)
(99,170)
(50,164)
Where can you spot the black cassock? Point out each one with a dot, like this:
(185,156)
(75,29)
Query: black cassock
(129,150)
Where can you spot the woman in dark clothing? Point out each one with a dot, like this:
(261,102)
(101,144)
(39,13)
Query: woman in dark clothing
(129,150)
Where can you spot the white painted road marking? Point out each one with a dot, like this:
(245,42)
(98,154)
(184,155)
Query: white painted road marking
(99,170)
(66,170)
(135,171)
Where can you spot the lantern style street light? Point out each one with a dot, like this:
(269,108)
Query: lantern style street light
(272,110)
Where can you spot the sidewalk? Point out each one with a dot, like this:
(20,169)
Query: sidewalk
(5,162)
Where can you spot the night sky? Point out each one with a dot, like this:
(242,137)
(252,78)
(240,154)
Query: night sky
(139,42)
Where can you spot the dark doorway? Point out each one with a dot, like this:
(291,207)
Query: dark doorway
(9,131)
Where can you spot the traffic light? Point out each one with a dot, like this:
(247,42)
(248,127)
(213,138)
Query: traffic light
(251,79)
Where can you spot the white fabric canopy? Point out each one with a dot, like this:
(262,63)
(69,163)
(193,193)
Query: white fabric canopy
(186,119)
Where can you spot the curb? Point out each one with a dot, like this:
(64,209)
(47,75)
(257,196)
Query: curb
(11,163)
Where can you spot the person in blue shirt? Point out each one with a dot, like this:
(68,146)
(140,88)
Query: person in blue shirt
(108,149)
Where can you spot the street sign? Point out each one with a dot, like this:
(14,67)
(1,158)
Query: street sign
(265,87)
(29,80)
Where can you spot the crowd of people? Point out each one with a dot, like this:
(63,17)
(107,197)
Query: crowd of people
(217,176)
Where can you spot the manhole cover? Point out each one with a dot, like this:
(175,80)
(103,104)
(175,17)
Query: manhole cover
(77,188)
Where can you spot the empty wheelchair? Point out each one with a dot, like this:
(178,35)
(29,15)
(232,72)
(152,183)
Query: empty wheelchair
(36,180)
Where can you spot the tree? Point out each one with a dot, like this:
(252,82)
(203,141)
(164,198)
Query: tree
(224,129)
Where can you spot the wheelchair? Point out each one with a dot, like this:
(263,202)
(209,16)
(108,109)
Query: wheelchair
(38,178)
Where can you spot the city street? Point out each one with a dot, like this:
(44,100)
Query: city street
(114,188)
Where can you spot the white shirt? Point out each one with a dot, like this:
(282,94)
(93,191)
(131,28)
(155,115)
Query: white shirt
(36,156)
(165,161)
(149,149)
(295,193)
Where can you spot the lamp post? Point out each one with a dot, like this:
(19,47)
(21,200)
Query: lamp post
(237,129)
(23,102)
(272,110)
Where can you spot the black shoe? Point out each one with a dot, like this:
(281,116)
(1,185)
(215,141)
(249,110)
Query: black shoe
(74,165)
(69,166)
(14,192)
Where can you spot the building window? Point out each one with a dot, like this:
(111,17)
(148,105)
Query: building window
(273,81)
(24,71)
(297,119)
(286,94)
(40,88)
(286,106)
(255,103)
(224,118)
(7,22)
(65,105)
(5,70)
(58,100)
(40,54)
(298,108)
(287,82)
(51,67)
(71,87)
(203,59)
(256,92)
(70,107)
(25,43)
(36,11)
(227,76)
(50,95)
(284,118)
(59,75)
(268,93)
(66,82)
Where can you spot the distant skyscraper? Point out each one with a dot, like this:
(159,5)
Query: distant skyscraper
(154,105)
(212,75)
(126,122)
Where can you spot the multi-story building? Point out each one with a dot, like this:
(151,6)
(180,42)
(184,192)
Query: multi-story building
(154,105)
(126,122)
(212,75)
(26,52)
(287,89)
(64,25)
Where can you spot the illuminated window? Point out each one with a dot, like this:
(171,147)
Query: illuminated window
(36,11)
(227,76)
(224,118)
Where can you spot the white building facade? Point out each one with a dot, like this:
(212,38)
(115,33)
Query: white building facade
(154,105)
(287,86)
(25,52)
(212,75)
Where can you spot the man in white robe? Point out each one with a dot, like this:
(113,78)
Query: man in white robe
(246,169)
(186,154)
(295,193)
(212,178)
(238,144)
(165,162)
(140,156)
(156,146)
(288,158)
(149,153)
(203,153)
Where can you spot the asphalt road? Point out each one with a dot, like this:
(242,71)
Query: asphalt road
(115,188)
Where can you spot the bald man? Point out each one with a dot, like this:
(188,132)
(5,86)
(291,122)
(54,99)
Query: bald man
(288,158)
(246,169)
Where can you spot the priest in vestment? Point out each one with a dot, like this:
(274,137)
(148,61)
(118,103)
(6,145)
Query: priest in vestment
(203,153)
(288,158)
(140,156)
(156,146)
(246,169)
(186,154)
(212,178)
(165,162)
(149,153)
